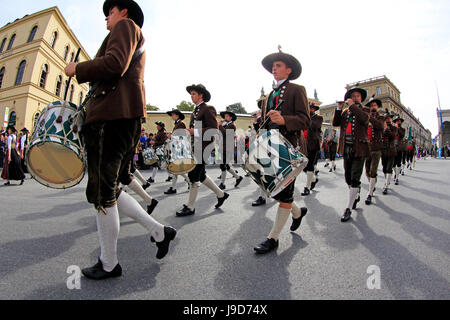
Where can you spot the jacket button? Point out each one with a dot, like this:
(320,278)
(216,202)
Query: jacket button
(103,92)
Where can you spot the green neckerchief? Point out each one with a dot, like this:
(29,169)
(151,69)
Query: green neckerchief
(272,99)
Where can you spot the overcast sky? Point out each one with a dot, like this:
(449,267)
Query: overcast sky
(221,44)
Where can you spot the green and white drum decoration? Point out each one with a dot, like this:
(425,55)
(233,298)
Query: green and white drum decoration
(178,155)
(149,156)
(161,157)
(273,163)
(56,156)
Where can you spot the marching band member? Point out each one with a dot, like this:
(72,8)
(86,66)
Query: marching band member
(389,152)
(23,146)
(262,199)
(12,168)
(159,140)
(375,135)
(111,131)
(312,136)
(204,115)
(411,152)
(332,149)
(287,108)
(353,121)
(228,124)
(399,144)
(178,117)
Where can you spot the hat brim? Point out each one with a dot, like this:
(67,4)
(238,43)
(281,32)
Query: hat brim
(232,114)
(201,90)
(363,92)
(177,112)
(135,12)
(378,102)
(289,60)
(160,124)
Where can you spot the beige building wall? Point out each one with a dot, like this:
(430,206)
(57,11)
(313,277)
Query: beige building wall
(28,98)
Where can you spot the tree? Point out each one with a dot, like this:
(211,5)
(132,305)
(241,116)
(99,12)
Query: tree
(237,108)
(152,108)
(186,106)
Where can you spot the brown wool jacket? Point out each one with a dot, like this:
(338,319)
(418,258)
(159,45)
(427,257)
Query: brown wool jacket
(314,132)
(206,115)
(389,141)
(377,122)
(179,125)
(360,141)
(223,131)
(160,138)
(295,111)
(121,93)
(402,146)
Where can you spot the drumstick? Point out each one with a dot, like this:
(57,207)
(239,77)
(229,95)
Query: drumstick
(268,118)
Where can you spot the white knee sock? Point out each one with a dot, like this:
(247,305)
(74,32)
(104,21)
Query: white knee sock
(296,211)
(128,206)
(373,182)
(388,180)
(155,170)
(224,177)
(280,221)
(193,192)
(333,163)
(233,173)
(309,179)
(396,172)
(140,177)
(174,182)
(352,196)
(137,188)
(108,226)
(213,187)
(262,194)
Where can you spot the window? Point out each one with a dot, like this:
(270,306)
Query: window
(32,34)
(11,42)
(3,45)
(81,98)
(378,91)
(58,86)
(72,56)
(54,38)
(12,119)
(43,76)
(20,73)
(66,52)
(2,74)
(71,93)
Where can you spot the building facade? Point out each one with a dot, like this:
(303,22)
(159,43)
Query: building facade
(34,51)
(443,138)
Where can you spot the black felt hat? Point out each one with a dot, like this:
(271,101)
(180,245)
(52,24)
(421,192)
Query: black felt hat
(232,115)
(134,10)
(177,112)
(201,89)
(289,60)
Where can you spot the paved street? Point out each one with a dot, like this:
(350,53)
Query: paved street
(405,234)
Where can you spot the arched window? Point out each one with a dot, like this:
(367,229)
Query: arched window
(58,86)
(2,74)
(35,119)
(72,55)
(32,34)
(81,98)
(71,93)
(54,38)
(43,76)
(12,119)
(20,73)
(3,45)
(11,42)
(66,52)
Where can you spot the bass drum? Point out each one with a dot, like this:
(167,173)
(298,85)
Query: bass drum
(178,154)
(149,156)
(273,163)
(55,157)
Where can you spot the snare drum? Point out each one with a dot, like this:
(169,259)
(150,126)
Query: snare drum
(178,154)
(55,157)
(149,156)
(161,157)
(273,163)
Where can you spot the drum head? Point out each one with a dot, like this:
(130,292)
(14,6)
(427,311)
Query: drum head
(54,165)
(181,166)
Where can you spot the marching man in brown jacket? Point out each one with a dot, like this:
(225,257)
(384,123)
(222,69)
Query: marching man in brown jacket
(111,131)
(375,135)
(389,151)
(287,108)
(353,144)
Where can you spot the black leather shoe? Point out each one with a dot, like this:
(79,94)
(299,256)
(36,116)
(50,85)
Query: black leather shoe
(185,212)
(163,246)
(170,191)
(7,183)
(222,200)
(21,182)
(385,191)
(347,215)
(222,186)
(150,180)
(355,204)
(313,184)
(331,169)
(334,168)
(238,181)
(267,246)
(326,165)
(146,186)
(169,179)
(259,202)
(316,173)
(306,192)
(369,200)
(297,222)
(396,182)
(97,273)
(152,207)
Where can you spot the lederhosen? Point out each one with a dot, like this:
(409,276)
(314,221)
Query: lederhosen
(226,159)
(312,136)
(388,152)
(375,135)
